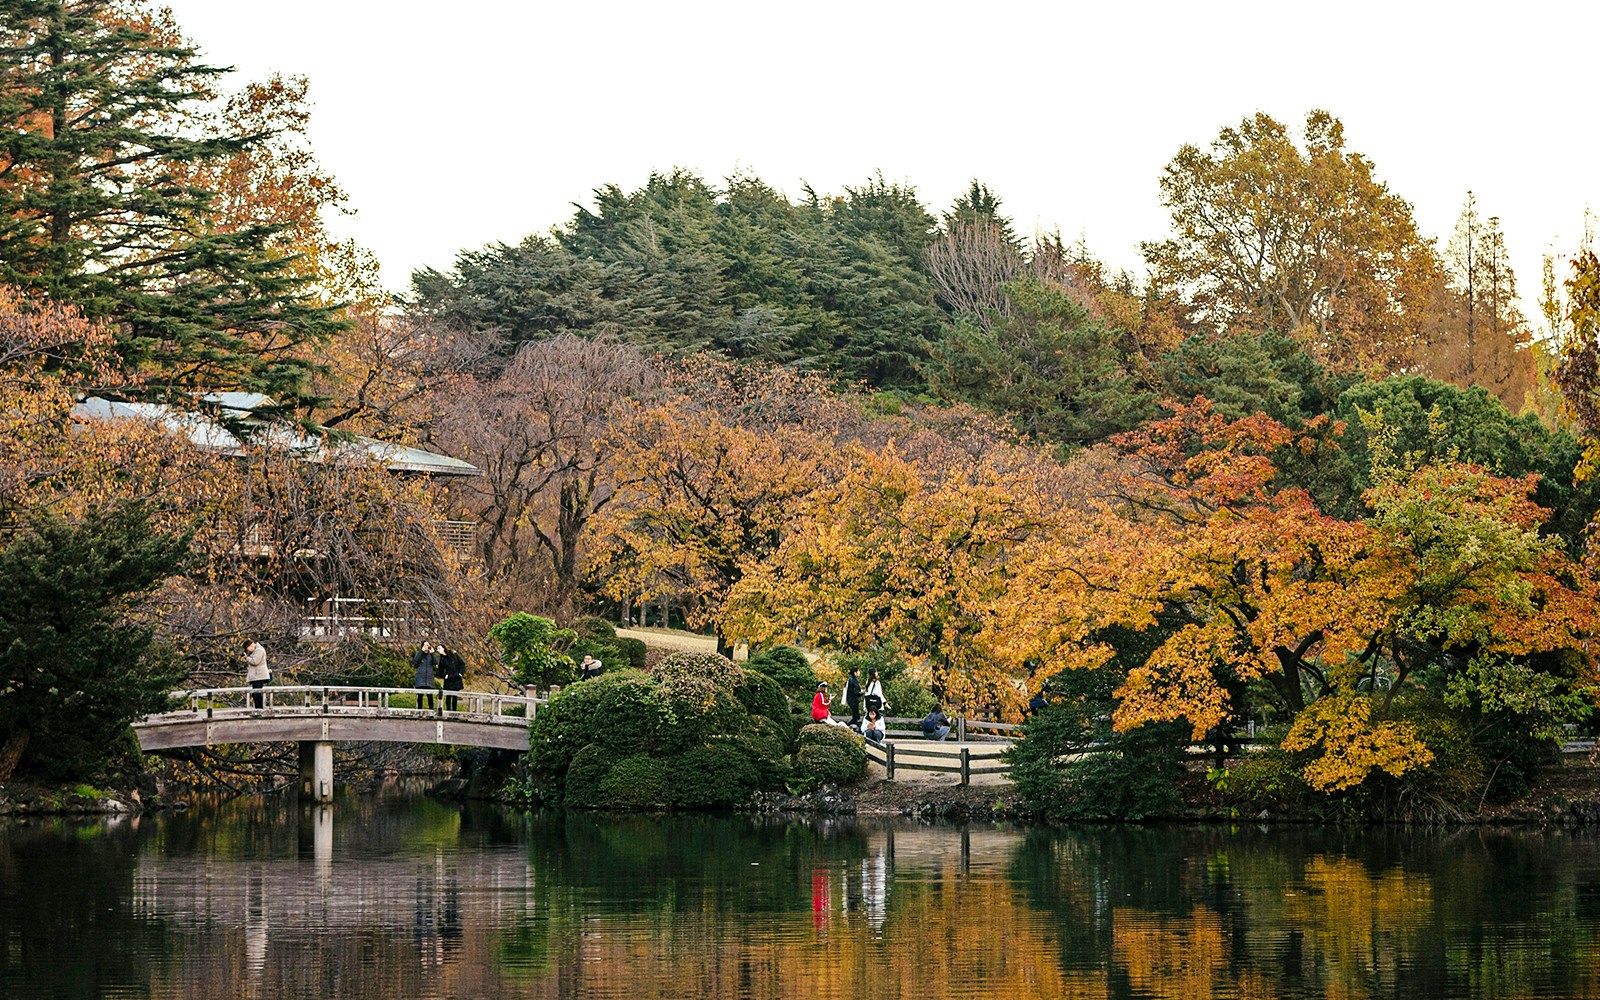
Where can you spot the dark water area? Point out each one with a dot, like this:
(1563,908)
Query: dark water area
(392,895)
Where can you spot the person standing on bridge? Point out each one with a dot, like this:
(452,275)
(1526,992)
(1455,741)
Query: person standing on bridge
(256,672)
(424,660)
(452,671)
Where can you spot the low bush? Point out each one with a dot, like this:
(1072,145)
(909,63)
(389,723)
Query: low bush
(585,774)
(908,697)
(760,695)
(637,782)
(823,734)
(693,713)
(594,627)
(607,651)
(716,776)
(828,755)
(822,764)
(633,650)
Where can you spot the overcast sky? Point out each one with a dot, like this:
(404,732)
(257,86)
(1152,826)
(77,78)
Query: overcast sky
(457,124)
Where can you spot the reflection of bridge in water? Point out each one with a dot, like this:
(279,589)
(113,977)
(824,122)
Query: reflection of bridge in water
(318,717)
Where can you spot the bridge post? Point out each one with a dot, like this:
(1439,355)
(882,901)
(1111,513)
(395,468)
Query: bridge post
(316,770)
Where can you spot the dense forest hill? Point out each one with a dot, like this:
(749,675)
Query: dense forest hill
(870,287)
(1309,470)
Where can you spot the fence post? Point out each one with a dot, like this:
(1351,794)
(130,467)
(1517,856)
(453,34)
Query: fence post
(966,765)
(961,730)
(888,760)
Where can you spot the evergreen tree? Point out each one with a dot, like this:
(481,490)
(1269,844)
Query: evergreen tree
(1057,372)
(91,213)
(74,669)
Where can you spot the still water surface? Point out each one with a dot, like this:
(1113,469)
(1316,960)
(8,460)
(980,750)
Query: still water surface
(395,896)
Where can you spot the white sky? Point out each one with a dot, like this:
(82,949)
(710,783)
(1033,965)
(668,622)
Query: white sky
(455,125)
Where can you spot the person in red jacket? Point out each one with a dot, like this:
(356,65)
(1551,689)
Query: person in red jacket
(819,704)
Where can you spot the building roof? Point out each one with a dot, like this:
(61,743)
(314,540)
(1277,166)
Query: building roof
(240,407)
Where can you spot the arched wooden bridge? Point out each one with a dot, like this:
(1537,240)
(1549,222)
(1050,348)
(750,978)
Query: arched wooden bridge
(319,717)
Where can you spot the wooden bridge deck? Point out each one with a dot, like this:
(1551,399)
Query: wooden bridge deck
(338,714)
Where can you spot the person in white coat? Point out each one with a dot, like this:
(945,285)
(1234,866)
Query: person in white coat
(873,699)
(256,672)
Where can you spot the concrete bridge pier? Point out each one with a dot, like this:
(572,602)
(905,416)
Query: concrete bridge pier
(316,771)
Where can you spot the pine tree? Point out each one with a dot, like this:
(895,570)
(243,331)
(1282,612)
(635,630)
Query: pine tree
(74,671)
(91,213)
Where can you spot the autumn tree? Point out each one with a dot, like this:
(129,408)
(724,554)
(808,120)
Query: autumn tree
(1476,332)
(94,209)
(710,474)
(1334,617)
(540,432)
(1296,239)
(912,554)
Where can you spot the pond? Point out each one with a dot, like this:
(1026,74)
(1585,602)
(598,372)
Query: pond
(393,895)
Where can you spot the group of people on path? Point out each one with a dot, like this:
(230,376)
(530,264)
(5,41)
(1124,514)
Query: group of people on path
(870,700)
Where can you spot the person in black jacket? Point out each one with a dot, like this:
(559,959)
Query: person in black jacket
(852,697)
(453,672)
(424,660)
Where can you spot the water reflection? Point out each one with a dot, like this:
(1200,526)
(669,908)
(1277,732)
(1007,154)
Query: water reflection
(399,896)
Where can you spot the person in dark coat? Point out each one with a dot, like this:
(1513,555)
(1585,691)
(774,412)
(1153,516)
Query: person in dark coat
(453,672)
(852,697)
(424,661)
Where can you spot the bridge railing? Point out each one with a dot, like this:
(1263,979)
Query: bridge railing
(331,699)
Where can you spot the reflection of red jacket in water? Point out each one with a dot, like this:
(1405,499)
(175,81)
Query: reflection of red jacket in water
(819,707)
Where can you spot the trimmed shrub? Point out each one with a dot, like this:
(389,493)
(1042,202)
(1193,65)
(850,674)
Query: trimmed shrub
(820,764)
(624,711)
(636,782)
(585,775)
(829,755)
(712,776)
(634,650)
(606,743)
(610,655)
(594,627)
(789,667)
(760,695)
(822,734)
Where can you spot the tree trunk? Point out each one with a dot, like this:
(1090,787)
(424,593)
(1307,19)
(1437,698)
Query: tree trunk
(11,753)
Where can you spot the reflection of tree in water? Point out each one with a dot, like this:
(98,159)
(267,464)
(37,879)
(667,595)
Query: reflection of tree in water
(423,900)
(1201,912)
(65,890)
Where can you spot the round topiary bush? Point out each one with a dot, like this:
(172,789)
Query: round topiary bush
(788,666)
(585,775)
(637,782)
(822,734)
(594,627)
(760,695)
(829,755)
(589,746)
(718,775)
(633,649)
(820,764)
